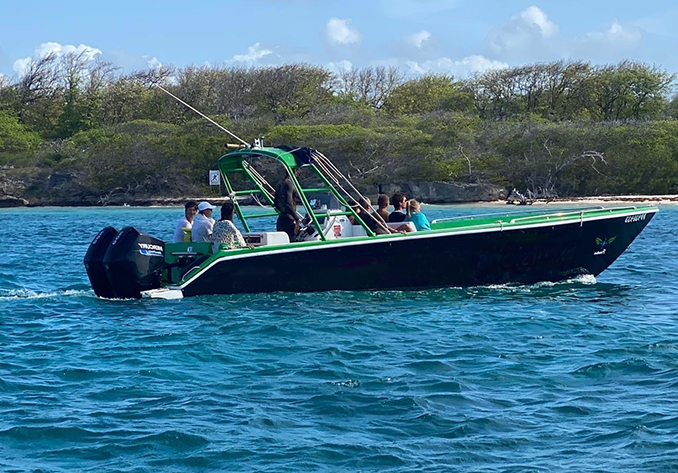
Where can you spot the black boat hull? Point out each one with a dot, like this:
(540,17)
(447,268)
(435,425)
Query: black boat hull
(524,255)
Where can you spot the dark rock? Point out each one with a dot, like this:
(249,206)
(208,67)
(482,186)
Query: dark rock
(59,179)
(438,192)
(11,201)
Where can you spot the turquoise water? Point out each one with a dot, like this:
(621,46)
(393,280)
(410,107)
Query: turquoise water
(575,376)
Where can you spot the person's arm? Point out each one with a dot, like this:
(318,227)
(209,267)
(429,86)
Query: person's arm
(296,198)
(292,197)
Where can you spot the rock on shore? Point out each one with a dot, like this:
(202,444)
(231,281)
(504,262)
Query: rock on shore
(439,192)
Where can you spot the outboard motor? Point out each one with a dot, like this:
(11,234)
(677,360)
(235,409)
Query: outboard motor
(134,263)
(94,262)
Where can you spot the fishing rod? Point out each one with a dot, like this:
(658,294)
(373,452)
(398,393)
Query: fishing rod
(203,115)
(266,187)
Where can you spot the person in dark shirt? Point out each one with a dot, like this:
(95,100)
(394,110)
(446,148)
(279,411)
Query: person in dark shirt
(398,202)
(363,211)
(285,202)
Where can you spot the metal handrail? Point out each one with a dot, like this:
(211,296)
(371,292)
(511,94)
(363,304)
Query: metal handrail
(504,214)
(579,212)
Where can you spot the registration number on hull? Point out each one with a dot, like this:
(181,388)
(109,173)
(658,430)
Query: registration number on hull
(635,218)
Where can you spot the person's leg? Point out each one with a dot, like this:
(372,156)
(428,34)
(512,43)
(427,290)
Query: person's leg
(286,224)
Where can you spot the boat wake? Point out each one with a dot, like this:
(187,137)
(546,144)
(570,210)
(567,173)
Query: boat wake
(25,294)
(584,279)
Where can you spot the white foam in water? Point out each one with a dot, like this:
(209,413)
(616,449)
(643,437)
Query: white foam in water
(586,279)
(12,294)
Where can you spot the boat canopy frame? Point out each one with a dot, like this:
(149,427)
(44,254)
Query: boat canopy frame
(236,162)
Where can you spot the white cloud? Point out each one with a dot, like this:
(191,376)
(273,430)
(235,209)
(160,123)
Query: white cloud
(418,39)
(465,67)
(409,8)
(152,62)
(522,31)
(88,52)
(614,43)
(339,31)
(616,34)
(254,53)
(531,36)
(45,49)
(537,18)
(21,65)
(416,68)
(339,66)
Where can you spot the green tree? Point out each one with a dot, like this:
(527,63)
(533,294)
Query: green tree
(672,108)
(14,137)
(427,94)
(630,90)
(291,91)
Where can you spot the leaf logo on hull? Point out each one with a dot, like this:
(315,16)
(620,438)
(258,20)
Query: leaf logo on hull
(603,243)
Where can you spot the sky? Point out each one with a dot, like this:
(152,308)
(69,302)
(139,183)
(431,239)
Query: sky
(458,37)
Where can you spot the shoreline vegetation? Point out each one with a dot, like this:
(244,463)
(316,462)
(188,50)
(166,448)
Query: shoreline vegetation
(179,202)
(76,132)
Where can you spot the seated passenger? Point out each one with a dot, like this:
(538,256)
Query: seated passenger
(225,230)
(185,223)
(363,212)
(203,223)
(398,203)
(415,216)
(382,202)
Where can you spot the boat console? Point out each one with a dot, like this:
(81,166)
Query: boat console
(266,238)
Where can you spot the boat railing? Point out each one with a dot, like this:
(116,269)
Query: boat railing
(505,214)
(579,212)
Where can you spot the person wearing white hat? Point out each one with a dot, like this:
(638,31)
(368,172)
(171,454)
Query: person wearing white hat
(203,223)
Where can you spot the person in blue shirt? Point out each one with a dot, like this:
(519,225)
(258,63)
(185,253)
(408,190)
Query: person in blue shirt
(415,216)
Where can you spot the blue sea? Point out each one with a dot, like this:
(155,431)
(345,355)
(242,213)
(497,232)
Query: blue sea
(578,376)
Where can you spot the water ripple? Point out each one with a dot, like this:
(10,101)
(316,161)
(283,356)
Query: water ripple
(574,376)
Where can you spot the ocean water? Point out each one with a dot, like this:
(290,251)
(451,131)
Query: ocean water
(569,377)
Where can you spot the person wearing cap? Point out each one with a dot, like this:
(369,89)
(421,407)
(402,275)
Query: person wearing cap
(203,223)
(185,223)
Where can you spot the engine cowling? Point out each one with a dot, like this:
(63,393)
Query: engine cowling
(94,262)
(134,262)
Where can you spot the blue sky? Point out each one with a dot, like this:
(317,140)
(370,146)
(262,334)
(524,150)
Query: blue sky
(453,36)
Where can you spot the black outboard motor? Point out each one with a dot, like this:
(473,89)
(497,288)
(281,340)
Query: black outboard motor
(134,263)
(94,262)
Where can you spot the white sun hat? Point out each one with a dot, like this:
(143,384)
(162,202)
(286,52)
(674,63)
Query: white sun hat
(204,205)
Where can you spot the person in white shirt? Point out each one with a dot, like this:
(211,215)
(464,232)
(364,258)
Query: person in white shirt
(185,222)
(203,223)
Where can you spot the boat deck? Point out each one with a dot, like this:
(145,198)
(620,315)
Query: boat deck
(536,217)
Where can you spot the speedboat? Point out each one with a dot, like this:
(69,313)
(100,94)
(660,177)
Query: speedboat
(332,253)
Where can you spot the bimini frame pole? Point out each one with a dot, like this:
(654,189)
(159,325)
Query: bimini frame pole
(306,204)
(238,210)
(344,202)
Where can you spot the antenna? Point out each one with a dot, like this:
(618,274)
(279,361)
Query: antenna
(203,115)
